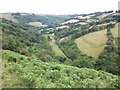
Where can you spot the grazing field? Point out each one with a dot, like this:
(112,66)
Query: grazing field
(56,49)
(70,21)
(36,24)
(63,26)
(81,23)
(93,43)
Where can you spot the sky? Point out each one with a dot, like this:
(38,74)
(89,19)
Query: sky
(58,6)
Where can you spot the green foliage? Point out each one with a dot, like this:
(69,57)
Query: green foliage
(108,59)
(77,58)
(25,42)
(61,59)
(12,56)
(38,74)
(109,26)
(46,19)
(60,33)
(95,28)
(11,43)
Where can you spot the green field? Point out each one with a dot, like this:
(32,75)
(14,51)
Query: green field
(36,24)
(56,49)
(115,30)
(93,43)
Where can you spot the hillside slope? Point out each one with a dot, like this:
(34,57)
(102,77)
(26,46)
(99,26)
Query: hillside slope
(92,43)
(45,19)
(8,16)
(35,73)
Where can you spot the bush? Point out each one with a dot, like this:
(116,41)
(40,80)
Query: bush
(25,52)
(41,75)
(12,59)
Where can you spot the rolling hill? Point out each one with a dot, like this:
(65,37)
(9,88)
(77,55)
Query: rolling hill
(39,74)
(45,19)
(93,43)
(8,16)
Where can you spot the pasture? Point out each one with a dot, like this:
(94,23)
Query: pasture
(92,44)
(55,47)
(36,24)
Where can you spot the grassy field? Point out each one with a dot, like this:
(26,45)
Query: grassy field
(56,49)
(104,15)
(70,21)
(63,26)
(115,30)
(93,43)
(36,24)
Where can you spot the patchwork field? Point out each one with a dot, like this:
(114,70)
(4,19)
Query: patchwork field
(36,24)
(104,15)
(93,43)
(70,21)
(63,26)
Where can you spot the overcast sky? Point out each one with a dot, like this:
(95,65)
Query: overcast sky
(57,6)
